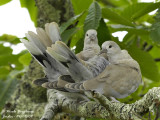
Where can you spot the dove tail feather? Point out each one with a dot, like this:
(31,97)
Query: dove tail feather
(67,78)
(65,56)
(62,53)
(39,82)
(74,87)
(53,85)
(39,42)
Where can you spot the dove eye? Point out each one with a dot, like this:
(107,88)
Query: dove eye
(87,34)
(110,46)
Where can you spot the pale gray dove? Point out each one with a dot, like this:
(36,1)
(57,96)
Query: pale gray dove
(119,79)
(91,47)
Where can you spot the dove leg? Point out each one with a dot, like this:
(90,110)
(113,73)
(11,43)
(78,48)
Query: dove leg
(114,100)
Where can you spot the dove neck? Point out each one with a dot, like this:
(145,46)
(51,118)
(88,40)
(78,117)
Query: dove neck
(121,55)
(114,57)
(90,46)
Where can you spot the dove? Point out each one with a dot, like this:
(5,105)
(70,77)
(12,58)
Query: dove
(79,70)
(119,79)
(91,47)
(37,45)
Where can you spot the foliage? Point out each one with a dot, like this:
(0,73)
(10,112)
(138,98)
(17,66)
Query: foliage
(2,2)
(7,88)
(32,9)
(12,67)
(142,39)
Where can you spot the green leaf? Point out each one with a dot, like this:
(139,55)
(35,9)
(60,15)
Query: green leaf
(120,2)
(139,30)
(155,33)
(147,64)
(135,11)
(79,34)
(103,32)
(155,29)
(2,2)
(79,45)
(93,17)
(7,88)
(25,59)
(67,34)
(9,59)
(32,9)
(80,5)
(65,25)
(149,8)
(115,17)
(9,38)
(5,50)
(4,71)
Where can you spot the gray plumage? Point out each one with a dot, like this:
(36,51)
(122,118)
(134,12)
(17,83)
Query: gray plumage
(119,79)
(37,45)
(91,47)
(79,70)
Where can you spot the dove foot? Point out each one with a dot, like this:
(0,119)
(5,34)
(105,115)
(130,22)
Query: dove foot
(113,100)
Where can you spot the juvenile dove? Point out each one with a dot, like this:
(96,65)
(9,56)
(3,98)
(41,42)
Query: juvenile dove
(91,47)
(119,79)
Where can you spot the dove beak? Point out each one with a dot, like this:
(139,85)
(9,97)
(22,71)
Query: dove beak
(92,37)
(103,51)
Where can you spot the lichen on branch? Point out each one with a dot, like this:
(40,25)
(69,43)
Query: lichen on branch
(80,105)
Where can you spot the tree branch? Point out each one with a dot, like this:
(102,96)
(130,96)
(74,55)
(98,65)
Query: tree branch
(80,105)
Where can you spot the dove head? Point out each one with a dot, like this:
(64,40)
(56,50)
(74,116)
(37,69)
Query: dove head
(91,36)
(111,48)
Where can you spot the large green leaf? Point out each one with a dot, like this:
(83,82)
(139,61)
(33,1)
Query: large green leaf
(4,71)
(65,25)
(139,30)
(67,34)
(7,88)
(115,17)
(103,32)
(2,2)
(120,3)
(32,9)
(79,45)
(80,5)
(135,11)
(147,64)
(77,36)
(93,17)
(155,29)
(149,8)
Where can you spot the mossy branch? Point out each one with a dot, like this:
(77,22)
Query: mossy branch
(80,105)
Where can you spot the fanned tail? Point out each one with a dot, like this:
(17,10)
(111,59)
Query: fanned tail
(65,56)
(37,45)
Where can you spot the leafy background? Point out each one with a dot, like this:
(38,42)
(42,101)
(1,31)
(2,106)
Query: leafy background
(142,39)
